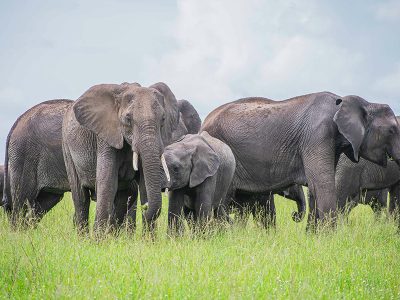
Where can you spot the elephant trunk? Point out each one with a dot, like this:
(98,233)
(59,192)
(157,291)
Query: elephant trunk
(150,158)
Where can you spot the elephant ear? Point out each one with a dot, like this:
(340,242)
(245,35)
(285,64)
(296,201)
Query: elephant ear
(171,109)
(205,163)
(351,119)
(97,110)
(190,116)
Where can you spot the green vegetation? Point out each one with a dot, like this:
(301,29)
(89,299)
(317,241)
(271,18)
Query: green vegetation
(360,260)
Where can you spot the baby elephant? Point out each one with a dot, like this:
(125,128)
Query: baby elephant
(199,171)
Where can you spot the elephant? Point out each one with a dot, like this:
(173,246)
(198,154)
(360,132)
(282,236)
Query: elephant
(354,179)
(199,173)
(112,135)
(34,172)
(34,160)
(1,184)
(298,141)
(262,205)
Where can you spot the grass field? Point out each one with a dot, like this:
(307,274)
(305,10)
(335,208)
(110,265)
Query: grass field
(360,260)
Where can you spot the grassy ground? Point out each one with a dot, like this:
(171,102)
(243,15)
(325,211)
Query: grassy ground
(360,260)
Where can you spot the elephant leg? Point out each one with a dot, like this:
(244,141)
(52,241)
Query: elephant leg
(106,188)
(22,202)
(394,203)
(80,196)
(264,211)
(312,214)
(121,205)
(44,203)
(321,182)
(204,196)
(175,212)
(242,207)
(132,208)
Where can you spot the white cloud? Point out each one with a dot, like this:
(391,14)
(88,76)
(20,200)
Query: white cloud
(226,50)
(388,11)
(390,83)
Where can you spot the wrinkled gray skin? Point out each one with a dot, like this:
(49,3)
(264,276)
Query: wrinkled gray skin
(201,169)
(101,133)
(35,174)
(351,178)
(1,184)
(262,205)
(299,141)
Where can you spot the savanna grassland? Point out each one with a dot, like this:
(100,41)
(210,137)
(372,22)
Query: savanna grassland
(360,260)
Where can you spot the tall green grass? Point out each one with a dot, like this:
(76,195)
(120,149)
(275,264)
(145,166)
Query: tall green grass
(359,260)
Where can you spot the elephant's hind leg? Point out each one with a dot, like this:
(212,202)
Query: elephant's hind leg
(44,203)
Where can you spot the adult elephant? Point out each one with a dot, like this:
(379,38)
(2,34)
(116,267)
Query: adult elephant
(353,181)
(299,140)
(35,175)
(111,133)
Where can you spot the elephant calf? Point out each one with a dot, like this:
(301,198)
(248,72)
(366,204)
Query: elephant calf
(199,171)
(354,178)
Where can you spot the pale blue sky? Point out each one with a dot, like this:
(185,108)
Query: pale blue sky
(208,52)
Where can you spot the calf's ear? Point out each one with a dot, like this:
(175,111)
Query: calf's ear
(205,163)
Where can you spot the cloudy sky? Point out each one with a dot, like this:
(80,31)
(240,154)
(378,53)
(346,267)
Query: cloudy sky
(209,52)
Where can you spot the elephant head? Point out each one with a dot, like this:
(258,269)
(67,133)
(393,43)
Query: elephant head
(142,117)
(372,129)
(190,161)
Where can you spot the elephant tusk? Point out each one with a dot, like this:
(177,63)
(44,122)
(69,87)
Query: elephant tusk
(165,167)
(135,160)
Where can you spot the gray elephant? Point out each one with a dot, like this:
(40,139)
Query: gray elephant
(299,141)
(113,134)
(354,179)
(34,170)
(262,205)
(201,169)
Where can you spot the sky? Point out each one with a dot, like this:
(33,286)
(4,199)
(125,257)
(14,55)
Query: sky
(209,52)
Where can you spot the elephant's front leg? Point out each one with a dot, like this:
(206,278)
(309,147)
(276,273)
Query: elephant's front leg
(175,212)
(106,186)
(394,203)
(204,200)
(320,175)
(124,200)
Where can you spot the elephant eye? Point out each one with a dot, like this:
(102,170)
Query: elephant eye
(127,120)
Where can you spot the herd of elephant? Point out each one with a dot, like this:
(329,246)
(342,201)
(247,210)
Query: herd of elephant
(118,140)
